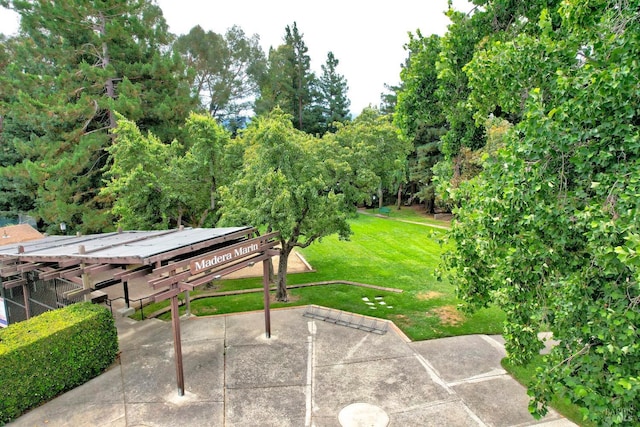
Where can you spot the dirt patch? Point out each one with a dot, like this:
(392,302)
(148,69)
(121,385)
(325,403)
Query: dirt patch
(205,311)
(448,315)
(292,298)
(400,320)
(428,295)
(295,264)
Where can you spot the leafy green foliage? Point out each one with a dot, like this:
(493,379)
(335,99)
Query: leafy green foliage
(226,70)
(72,66)
(51,353)
(157,186)
(549,229)
(306,187)
(284,185)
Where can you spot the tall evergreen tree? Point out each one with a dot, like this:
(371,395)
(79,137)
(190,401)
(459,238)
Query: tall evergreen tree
(333,90)
(419,114)
(302,79)
(76,64)
(290,84)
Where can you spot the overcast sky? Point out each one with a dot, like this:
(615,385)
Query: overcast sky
(366,37)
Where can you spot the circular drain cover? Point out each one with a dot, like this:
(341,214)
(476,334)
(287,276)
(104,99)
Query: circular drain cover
(363,415)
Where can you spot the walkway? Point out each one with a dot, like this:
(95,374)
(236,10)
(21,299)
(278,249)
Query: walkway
(426,224)
(310,373)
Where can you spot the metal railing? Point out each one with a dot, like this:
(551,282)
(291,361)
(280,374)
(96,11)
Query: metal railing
(109,303)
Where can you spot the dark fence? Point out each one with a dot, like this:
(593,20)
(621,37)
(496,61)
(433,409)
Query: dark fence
(44,295)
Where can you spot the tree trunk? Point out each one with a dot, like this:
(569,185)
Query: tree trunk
(272,275)
(379,196)
(281,293)
(399,203)
(109,84)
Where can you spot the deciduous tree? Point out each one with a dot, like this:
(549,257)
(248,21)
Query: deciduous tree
(156,185)
(226,70)
(549,229)
(284,186)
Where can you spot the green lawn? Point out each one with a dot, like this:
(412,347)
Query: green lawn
(410,213)
(381,252)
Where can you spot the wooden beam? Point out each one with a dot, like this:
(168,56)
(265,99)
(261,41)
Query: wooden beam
(75,272)
(170,293)
(8,271)
(76,293)
(170,280)
(75,279)
(127,275)
(198,246)
(8,259)
(14,283)
(98,268)
(69,262)
(264,243)
(30,266)
(51,274)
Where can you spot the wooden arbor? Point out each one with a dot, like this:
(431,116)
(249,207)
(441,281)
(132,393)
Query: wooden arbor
(171,262)
(192,272)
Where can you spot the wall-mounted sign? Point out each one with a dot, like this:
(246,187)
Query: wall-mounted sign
(224,256)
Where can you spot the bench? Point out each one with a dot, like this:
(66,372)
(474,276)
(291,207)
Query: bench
(343,318)
(384,210)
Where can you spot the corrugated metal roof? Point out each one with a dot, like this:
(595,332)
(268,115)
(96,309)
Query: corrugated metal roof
(126,246)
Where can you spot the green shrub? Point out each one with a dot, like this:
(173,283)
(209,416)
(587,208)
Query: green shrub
(52,353)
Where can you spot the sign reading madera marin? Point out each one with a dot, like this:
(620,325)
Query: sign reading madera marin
(216,259)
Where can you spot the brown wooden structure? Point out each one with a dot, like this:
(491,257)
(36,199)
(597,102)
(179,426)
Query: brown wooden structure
(171,261)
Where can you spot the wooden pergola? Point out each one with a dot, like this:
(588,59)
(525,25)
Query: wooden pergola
(171,262)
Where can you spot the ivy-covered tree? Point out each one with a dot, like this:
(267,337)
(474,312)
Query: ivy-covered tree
(77,63)
(549,229)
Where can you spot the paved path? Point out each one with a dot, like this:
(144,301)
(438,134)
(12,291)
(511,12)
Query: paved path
(426,224)
(310,373)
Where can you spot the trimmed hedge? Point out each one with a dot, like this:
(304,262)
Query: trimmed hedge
(52,353)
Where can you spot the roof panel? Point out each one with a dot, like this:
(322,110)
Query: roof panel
(125,245)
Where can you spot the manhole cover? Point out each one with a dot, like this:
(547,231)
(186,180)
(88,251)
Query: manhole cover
(363,415)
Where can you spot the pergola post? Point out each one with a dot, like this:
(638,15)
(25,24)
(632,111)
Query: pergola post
(177,344)
(27,306)
(267,311)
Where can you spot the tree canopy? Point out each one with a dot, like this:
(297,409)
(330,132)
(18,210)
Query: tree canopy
(72,66)
(314,104)
(547,225)
(303,186)
(226,71)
